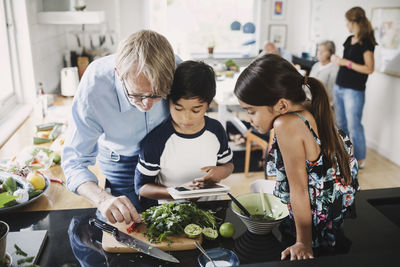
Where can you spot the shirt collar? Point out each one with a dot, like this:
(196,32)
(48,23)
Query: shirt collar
(124,104)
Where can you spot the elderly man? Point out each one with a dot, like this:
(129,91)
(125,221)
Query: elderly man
(270,48)
(120,99)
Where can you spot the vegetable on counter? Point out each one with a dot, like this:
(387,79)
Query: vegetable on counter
(131,228)
(171,218)
(55,129)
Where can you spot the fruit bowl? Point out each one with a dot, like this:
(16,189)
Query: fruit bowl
(276,211)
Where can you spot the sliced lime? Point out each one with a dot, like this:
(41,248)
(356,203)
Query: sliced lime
(210,233)
(192,230)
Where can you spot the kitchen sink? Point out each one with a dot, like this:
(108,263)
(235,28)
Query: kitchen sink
(389,207)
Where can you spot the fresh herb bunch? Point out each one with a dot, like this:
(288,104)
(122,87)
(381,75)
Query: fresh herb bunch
(171,218)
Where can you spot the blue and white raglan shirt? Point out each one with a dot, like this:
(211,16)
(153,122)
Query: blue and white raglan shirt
(171,159)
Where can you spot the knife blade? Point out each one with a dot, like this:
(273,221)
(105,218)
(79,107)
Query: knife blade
(132,242)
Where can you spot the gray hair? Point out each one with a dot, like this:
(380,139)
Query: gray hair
(149,53)
(330,45)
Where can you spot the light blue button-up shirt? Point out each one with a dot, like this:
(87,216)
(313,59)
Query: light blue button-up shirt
(103,117)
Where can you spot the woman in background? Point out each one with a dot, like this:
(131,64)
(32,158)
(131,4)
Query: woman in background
(355,66)
(325,70)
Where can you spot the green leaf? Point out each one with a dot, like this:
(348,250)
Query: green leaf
(6,198)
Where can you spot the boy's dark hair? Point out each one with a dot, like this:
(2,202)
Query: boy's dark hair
(193,79)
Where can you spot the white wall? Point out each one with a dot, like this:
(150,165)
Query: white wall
(381,116)
(48,43)
(298,24)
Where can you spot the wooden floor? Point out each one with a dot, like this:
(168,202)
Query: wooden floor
(379,172)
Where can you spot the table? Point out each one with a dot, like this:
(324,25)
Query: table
(373,235)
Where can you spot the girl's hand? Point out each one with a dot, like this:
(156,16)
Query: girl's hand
(298,251)
(339,61)
(335,59)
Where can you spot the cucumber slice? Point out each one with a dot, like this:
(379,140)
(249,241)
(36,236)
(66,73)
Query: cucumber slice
(40,140)
(210,233)
(192,230)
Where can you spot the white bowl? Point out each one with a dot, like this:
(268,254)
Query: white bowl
(252,202)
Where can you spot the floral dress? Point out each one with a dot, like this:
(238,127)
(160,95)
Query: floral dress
(329,197)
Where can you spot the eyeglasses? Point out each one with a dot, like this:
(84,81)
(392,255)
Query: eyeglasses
(138,97)
(142,97)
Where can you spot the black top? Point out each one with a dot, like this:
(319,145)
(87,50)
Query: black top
(347,77)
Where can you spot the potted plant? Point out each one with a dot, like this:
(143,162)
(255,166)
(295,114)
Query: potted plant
(211,45)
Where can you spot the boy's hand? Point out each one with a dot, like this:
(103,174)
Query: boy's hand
(214,175)
(192,185)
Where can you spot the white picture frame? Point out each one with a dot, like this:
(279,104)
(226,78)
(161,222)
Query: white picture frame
(386,24)
(277,34)
(278,9)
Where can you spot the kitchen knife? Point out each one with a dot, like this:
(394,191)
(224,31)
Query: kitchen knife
(132,242)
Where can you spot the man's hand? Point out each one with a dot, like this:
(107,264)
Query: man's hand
(118,209)
(115,209)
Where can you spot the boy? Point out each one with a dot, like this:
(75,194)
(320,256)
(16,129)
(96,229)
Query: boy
(188,149)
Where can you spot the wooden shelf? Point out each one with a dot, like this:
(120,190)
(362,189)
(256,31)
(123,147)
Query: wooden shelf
(71,17)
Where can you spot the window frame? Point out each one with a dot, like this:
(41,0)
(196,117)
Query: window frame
(222,54)
(11,100)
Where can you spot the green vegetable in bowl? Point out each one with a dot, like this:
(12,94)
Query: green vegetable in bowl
(7,200)
(22,195)
(10,185)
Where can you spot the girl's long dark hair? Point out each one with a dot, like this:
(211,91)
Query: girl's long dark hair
(270,78)
(357,15)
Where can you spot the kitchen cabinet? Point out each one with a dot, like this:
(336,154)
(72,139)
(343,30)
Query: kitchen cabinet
(71,17)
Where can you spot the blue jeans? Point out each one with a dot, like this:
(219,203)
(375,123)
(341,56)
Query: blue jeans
(119,171)
(349,104)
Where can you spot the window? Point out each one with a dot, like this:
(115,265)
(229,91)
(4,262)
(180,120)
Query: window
(8,96)
(192,26)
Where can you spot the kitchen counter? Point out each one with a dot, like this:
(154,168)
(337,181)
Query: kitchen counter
(373,236)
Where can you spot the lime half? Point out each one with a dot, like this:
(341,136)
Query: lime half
(210,233)
(192,230)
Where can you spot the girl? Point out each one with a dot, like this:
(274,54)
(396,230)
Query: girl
(349,91)
(316,174)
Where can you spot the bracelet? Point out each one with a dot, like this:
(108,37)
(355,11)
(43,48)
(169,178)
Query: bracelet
(350,64)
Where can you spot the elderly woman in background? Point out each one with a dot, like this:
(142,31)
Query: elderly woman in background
(325,70)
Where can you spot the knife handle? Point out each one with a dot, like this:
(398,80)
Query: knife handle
(103,226)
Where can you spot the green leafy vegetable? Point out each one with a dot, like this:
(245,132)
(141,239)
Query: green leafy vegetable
(28,259)
(171,218)
(19,251)
(6,199)
(10,185)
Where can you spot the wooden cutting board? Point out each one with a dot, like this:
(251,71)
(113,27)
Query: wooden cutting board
(176,242)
